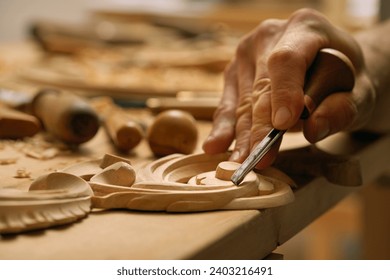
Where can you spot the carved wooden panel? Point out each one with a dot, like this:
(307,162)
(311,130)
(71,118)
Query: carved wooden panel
(174,183)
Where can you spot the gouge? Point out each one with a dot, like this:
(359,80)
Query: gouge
(331,71)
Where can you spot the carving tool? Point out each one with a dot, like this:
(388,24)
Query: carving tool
(331,71)
(123,129)
(15,124)
(67,116)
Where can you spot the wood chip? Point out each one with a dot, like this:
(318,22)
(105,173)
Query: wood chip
(7,161)
(22,173)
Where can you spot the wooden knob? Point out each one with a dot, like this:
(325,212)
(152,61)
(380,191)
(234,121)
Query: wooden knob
(173,131)
(65,115)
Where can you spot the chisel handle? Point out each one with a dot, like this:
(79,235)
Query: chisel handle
(16,125)
(330,72)
(67,116)
(125,133)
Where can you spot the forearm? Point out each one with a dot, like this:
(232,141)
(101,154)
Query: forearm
(375,44)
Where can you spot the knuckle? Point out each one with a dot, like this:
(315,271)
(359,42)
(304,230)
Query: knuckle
(305,14)
(245,106)
(267,28)
(280,55)
(309,19)
(260,86)
(223,110)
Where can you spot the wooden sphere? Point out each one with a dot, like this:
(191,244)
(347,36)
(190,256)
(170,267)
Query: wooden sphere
(173,131)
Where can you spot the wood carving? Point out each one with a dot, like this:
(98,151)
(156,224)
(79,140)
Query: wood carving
(53,199)
(175,183)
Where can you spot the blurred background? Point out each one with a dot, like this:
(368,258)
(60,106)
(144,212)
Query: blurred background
(77,39)
(16,15)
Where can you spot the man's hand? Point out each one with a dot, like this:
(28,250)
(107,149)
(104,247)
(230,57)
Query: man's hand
(264,86)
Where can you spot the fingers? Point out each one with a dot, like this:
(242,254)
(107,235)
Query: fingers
(337,112)
(223,131)
(246,74)
(287,72)
(261,120)
(341,111)
(287,66)
(306,33)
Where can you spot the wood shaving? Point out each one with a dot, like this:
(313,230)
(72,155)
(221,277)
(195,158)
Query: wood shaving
(42,154)
(7,161)
(40,147)
(22,173)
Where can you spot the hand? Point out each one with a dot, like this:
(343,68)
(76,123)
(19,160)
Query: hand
(264,86)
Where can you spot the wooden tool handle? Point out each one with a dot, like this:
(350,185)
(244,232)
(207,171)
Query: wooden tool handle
(124,132)
(15,124)
(66,116)
(331,71)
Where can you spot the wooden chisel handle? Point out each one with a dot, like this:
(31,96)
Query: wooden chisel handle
(124,132)
(15,124)
(331,71)
(65,115)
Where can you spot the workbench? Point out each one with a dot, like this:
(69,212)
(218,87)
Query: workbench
(239,234)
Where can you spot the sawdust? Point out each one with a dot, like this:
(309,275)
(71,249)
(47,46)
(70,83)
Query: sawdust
(41,147)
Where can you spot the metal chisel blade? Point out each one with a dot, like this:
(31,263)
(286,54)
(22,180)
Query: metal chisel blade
(256,155)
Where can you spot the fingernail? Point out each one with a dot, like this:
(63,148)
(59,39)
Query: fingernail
(282,116)
(323,129)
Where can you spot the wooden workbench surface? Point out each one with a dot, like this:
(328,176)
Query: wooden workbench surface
(241,234)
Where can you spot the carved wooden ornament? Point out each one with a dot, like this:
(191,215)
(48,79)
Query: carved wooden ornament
(175,183)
